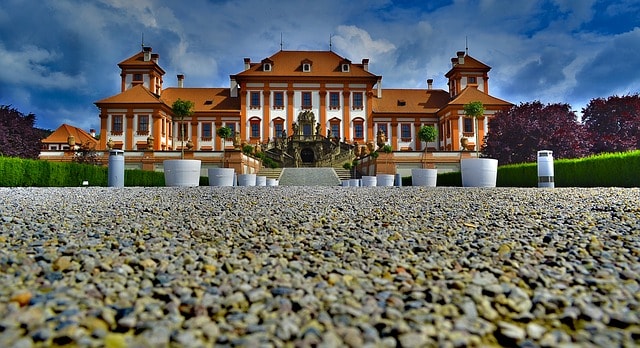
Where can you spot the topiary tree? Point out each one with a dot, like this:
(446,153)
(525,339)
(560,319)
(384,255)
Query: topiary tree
(475,109)
(427,134)
(224,133)
(182,109)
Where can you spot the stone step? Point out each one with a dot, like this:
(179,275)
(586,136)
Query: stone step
(321,176)
(271,173)
(343,174)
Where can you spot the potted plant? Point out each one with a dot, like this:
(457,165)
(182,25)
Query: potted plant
(182,172)
(425,176)
(386,179)
(222,176)
(478,172)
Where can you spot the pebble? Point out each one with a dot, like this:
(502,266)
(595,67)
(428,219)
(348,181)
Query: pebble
(319,266)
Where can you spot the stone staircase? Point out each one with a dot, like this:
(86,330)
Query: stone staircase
(343,174)
(323,176)
(271,173)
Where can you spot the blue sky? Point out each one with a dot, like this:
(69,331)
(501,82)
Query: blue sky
(57,57)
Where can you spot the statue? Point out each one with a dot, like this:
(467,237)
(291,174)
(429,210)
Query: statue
(381,140)
(371,146)
(356,149)
(236,141)
(328,133)
(318,128)
(295,128)
(298,158)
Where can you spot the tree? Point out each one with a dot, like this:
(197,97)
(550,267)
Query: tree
(476,110)
(182,109)
(18,136)
(517,134)
(427,134)
(224,133)
(86,153)
(613,123)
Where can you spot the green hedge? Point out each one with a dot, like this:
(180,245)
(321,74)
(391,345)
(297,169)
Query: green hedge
(604,170)
(37,173)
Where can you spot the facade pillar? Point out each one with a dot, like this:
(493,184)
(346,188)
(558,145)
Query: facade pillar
(290,115)
(266,116)
(346,114)
(194,134)
(393,137)
(128,138)
(104,129)
(217,146)
(156,130)
(323,110)
(242,94)
(417,140)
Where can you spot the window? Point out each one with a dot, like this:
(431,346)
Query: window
(306,100)
(306,67)
(334,100)
(383,128)
(335,130)
(232,126)
(468,125)
(278,127)
(255,100)
(255,128)
(206,131)
(116,125)
(266,67)
(143,124)
(472,80)
(345,67)
(358,130)
(278,100)
(357,100)
(183,131)
(137,77)
(405,131)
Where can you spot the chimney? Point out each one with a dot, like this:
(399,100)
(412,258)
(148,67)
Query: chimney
(180,81)
(247,63)
(147,53)
(92,132)
(454,62)
(429,83)
(460,57)
(380,87)
(233,90)
(155,57)
(365,64)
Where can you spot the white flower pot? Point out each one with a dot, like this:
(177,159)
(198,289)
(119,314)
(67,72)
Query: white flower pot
(181,172)
(221,176)
(345,183)
(424,177)
(385,179)
(246,180)
(354,182)
(369,181)
(261,180)
(272,182)
(479,172)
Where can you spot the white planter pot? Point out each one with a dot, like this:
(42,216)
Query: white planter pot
(424,177)
(261,180)
(182,172)
(385,179)
(479,172)
(272,182)
(369,181)
(221,176)
(345,183)
(354,182)
(246,180)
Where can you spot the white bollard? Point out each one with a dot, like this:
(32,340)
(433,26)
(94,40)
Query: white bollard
(545,169)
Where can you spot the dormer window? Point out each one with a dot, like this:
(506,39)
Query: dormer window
(306,67)
(345,67)
(266,67)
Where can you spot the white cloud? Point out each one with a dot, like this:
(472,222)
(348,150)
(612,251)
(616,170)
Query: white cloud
(34,66)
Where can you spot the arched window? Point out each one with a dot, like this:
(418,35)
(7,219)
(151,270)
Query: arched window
(254,125)
(358,129)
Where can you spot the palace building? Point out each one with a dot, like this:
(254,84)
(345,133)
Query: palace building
(304,104)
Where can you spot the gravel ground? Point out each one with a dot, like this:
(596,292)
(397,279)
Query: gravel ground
(319,267)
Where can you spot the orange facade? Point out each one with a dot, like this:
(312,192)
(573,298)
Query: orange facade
(264,100)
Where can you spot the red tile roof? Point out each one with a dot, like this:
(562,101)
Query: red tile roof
(61,136)
(323,63)
(472,93)
(205,99)
(415,101)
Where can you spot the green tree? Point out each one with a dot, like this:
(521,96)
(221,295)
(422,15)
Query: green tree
(427,134)
(224,133)
(475,109)
(182,109)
